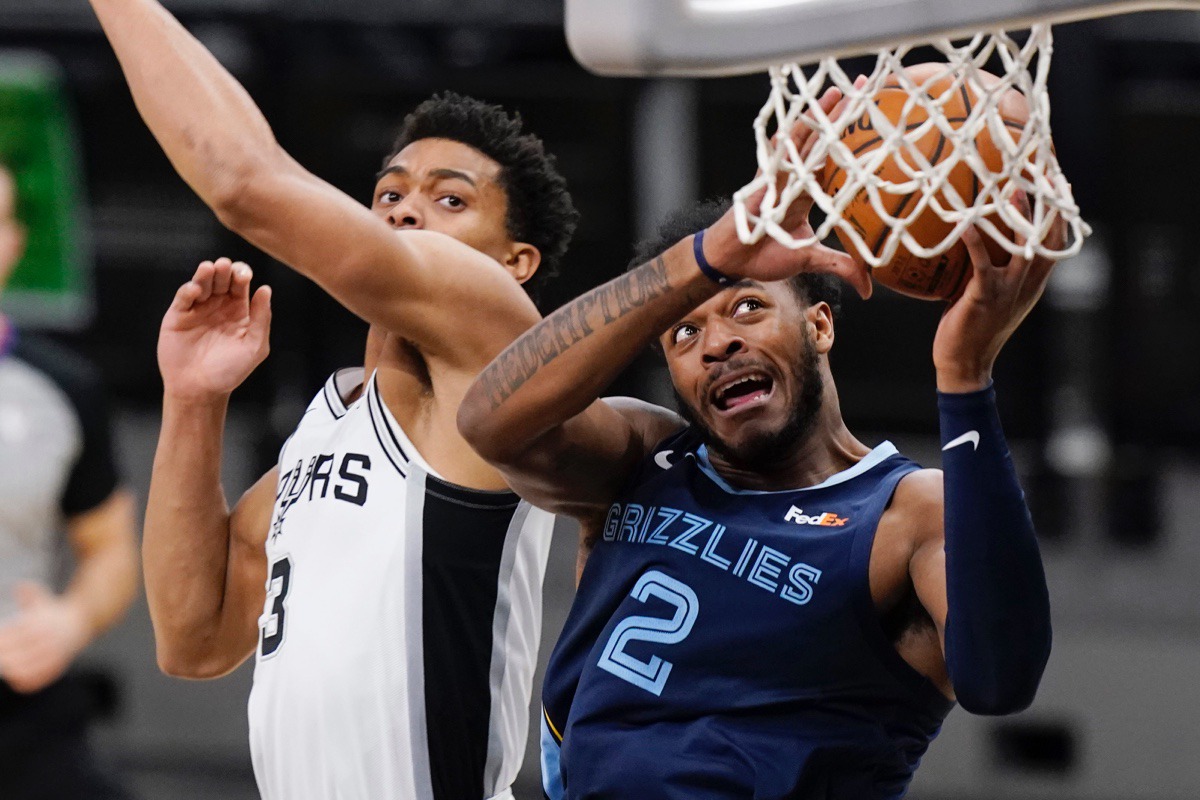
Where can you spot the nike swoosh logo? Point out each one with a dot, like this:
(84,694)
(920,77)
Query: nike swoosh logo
(662,459)
(969,436)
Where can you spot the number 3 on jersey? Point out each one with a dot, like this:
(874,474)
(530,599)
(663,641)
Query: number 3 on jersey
(651,675)
(271,624)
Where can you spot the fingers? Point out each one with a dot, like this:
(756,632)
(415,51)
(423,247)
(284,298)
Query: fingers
(976,249)
(203,278)
(186,297)
(240,276)
(30,595)
(220,278)
(802,132)
(846,267)
(1021,201)
(260,313)
(31,666)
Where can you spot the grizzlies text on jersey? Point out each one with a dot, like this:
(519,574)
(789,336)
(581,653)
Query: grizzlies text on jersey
(724,644)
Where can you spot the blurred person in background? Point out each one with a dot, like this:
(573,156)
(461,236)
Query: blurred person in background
(57,476)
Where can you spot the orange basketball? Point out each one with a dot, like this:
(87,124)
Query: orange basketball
(928,278)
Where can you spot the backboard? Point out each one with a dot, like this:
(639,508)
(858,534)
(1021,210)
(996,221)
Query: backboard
(698,38)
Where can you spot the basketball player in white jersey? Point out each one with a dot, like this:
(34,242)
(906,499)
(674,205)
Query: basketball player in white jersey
(396,637)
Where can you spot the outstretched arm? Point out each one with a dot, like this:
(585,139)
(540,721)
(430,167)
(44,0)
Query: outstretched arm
(533,411)
(984,583)
(224,149)
(206,567)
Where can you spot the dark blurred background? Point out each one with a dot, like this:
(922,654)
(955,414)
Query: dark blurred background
(1100,388)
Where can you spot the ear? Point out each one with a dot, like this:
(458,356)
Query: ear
(523,261)
(820,317)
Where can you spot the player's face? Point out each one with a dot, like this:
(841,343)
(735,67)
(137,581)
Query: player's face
(445,186)
(12,238)
(745,366)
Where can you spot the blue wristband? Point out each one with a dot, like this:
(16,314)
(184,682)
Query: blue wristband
(710,272)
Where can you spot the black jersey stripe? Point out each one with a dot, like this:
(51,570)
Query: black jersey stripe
(375,422)
(463,538)
(471,498)
(378,399)
(328,402)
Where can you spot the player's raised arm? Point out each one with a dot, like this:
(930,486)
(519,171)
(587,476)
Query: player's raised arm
(222,146)
(533,411)
(204,565)
(981,578)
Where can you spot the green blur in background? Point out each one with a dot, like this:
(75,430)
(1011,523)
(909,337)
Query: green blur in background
(51,287)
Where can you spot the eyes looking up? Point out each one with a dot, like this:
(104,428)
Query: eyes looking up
(743,309)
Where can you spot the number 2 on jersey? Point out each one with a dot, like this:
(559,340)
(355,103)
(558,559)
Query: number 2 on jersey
(277,589)
(651,675)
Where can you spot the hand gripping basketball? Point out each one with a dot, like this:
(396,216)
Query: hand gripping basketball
(917,155)
(767,259)
(997,297)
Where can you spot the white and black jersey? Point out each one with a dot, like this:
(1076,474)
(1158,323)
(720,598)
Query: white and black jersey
(399,636)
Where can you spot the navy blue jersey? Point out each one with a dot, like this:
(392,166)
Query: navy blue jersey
(724,644)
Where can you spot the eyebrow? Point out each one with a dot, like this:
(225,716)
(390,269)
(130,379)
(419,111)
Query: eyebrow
(436,173)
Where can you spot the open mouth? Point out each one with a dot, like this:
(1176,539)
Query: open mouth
(748,390)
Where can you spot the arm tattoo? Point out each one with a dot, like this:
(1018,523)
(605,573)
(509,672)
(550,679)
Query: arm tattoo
(572,324)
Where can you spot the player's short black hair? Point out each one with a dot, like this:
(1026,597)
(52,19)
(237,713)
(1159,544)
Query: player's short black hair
(540,210)
(809,287)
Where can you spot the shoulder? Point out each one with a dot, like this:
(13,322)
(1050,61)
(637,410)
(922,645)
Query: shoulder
(75,375)
(917,504)
(651,423)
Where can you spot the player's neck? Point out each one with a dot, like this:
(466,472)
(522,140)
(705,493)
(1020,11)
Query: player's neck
(827,449)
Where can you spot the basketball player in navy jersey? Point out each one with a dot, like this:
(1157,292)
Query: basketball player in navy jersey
(772,608)
(384,575)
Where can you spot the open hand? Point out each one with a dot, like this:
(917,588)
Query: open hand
(995,300)
(41,641)
(767,260)
(214,334)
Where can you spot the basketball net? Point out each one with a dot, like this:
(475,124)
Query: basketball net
(1028,161)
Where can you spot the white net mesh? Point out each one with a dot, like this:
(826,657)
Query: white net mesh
(1022,157)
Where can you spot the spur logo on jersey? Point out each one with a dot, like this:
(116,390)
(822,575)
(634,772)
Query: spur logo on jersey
(742,556)
(313,478)
(825,520)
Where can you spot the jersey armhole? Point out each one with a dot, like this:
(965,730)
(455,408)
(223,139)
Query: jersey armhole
(923,691)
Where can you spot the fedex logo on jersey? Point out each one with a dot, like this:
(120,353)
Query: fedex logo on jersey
(711,542)
(825,520)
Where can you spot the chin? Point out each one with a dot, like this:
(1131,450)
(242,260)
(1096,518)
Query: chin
(755,443)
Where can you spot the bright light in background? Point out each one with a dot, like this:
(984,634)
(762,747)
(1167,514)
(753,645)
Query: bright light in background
(745,6)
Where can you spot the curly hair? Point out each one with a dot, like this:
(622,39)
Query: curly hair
(810,287)
(540,210)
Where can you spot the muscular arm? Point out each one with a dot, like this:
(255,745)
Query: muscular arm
(205,566)
(980,575)
(534,411)
(224,149)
